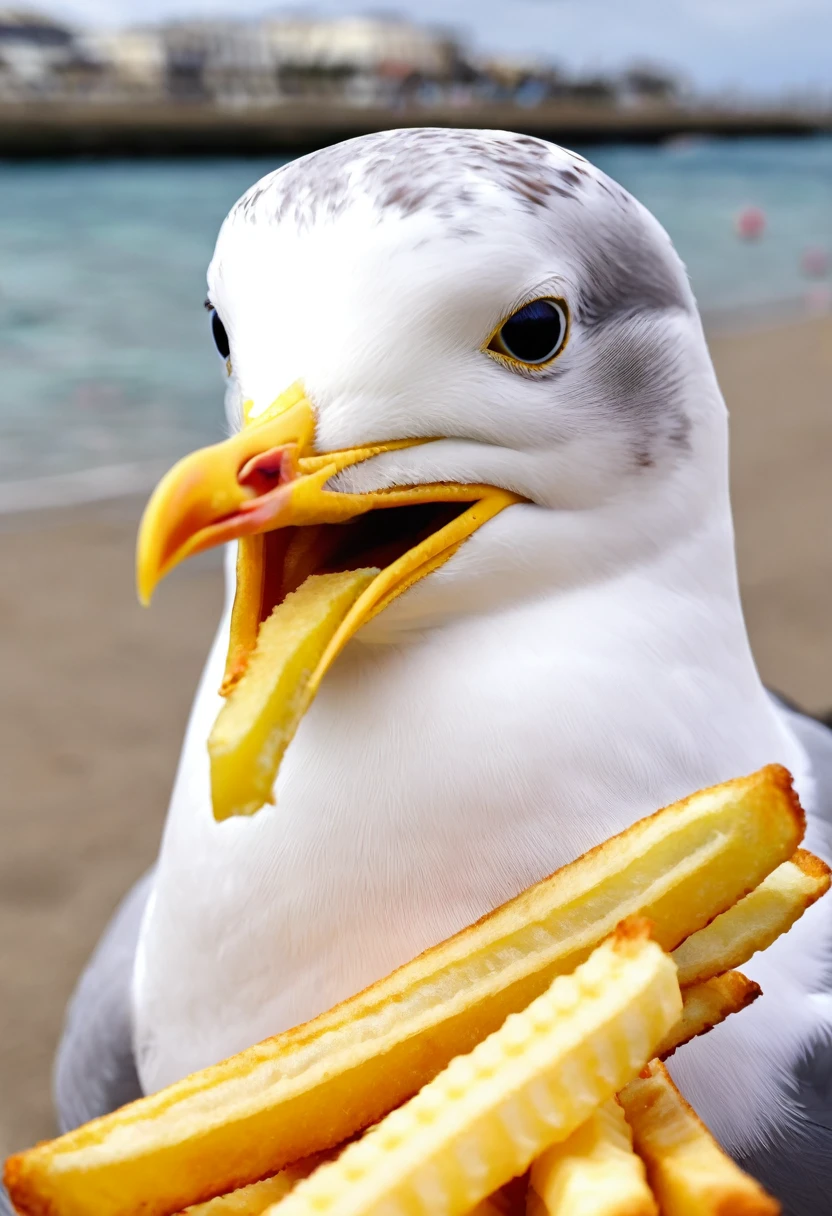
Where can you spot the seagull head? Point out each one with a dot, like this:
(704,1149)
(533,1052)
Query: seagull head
(467,362)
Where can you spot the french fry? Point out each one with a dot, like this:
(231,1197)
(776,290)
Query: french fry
(706,1005)
(482,1121)
(492,1206)
(594,1172)
(509,1200)
(314,1086)
(687,1170)
(755,922)
(254,1199)
(268,700)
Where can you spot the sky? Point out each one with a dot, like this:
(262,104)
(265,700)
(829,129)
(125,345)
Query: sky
(762,47)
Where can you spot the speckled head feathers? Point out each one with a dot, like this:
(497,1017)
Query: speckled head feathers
(376,269)
(423,169)
(465,179)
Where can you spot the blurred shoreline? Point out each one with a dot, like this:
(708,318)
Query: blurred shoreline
(67,128)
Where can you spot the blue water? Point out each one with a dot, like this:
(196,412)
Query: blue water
(105,357)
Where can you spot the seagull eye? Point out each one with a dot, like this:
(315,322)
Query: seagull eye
(534,334)
(219,335)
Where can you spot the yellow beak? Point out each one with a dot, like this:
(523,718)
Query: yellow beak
(310,570)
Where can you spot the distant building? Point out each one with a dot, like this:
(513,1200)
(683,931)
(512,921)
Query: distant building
(592,90)
(132,62)
(34,53)
(356,60)
(228,62)
(520,81)
(371,60)
(361,59)
(24,27)
(645,83)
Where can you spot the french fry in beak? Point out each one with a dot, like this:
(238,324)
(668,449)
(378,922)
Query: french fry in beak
(531,1083)
(687,1170)
(268,482)
(257,722)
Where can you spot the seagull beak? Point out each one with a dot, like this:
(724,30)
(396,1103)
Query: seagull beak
(211,496)
(313,566)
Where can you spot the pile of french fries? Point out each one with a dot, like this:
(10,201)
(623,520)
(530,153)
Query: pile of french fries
(513,1068)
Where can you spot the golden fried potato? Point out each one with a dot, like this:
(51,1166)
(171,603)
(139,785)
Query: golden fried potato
(314,1086)
(706,1005)
(267,701)
(687,1170)
(509,1200)
(755,922)
(531,1083)
(488,1207)
(594,1172)
(254,1199)
(245,613)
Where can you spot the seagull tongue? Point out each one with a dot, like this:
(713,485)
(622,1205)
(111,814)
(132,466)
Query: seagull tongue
(262,712)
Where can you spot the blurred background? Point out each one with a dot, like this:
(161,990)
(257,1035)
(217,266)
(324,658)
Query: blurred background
(127,129)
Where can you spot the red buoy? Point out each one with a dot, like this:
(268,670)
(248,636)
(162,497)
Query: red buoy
(814,262)
(751,223)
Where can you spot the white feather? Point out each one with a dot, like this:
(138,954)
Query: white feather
(580,662)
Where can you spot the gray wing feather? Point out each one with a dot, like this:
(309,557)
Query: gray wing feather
(95,1070)
(816,738)
(797,1166)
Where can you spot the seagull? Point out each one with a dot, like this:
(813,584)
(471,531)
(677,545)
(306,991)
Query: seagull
(470,365)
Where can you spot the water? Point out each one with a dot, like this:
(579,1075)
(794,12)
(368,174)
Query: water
(106,364)
(697,189)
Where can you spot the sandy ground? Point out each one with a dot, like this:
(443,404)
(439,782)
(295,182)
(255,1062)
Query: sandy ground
(95,691)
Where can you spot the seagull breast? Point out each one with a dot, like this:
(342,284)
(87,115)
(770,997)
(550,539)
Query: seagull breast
(484,598)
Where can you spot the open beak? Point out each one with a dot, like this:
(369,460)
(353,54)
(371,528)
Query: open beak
(313,566)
